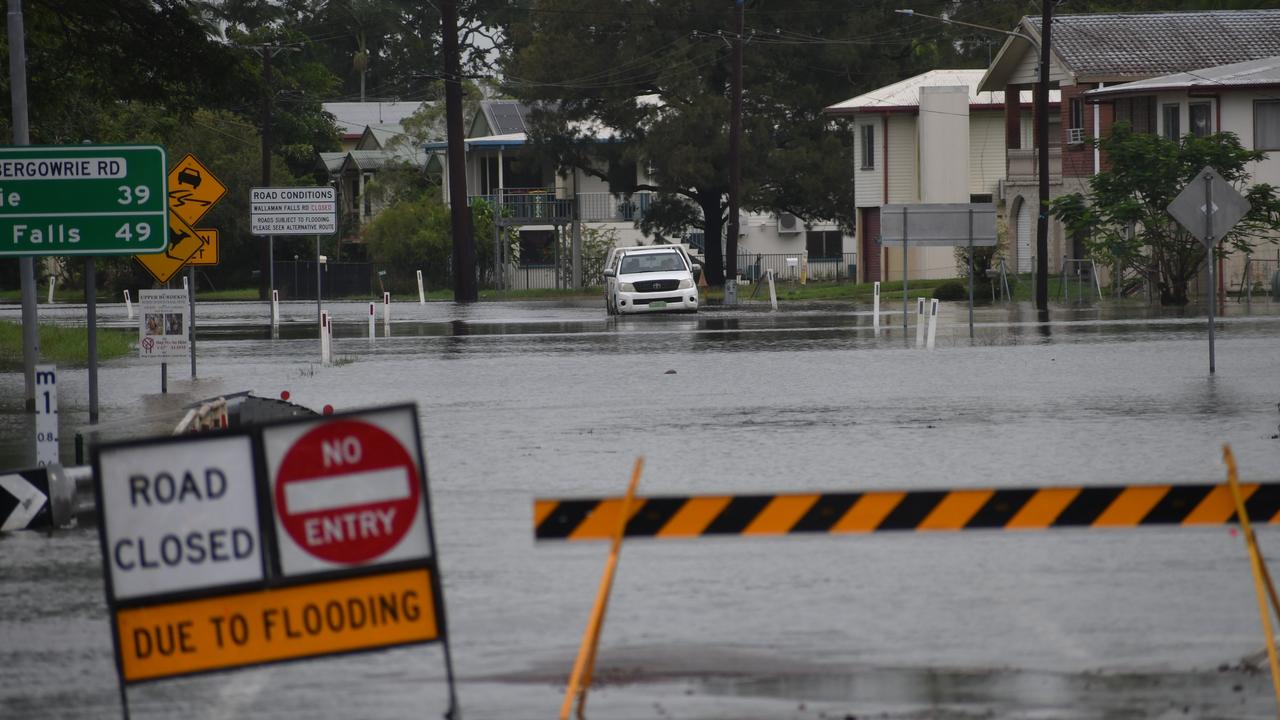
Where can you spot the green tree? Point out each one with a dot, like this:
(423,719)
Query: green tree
(658,75)
(415,234)
(1124,219)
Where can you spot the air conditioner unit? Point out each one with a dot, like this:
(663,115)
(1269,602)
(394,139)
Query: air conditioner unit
(788,224)
(1000,189)
(1075,136)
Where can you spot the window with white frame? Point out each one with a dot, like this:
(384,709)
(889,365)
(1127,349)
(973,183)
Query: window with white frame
(868,146)
(1200,118)
(1077,113)
(1266,125)
(1170,117)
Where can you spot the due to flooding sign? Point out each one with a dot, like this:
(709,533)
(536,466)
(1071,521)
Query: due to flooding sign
(212,563)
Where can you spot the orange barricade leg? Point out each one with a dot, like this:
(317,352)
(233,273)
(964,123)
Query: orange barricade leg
(580,679)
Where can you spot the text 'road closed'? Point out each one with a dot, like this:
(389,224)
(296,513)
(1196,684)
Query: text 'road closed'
(272,625)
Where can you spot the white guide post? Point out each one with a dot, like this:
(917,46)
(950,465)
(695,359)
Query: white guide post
(128,304)
(773,290)
(933,323)
(422,295)
(324,338)
(920,322)
(372,318)
(275,308)
(53,281)
(386,314)
(875,309)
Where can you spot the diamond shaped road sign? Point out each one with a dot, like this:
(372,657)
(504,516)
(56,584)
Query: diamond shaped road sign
(1208,197)
(193,190)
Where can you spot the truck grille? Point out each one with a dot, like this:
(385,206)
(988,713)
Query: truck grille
(656,285)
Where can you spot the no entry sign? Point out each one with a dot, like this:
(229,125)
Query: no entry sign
(347,492)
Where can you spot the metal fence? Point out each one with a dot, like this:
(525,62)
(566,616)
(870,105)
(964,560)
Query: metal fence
(531,277)
(296,279)
(786,266)
(529,204)
(610,207)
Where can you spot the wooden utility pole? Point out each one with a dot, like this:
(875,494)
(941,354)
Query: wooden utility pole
(1042,150)
(735,160)
(26,263)
(464,244)
(267,252)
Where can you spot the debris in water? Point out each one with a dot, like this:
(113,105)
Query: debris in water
(669,372)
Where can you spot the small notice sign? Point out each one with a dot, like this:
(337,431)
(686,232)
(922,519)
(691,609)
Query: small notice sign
(163,324)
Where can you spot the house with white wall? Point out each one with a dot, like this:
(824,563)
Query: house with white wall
(930,138)
(1241,98)
(1090,51)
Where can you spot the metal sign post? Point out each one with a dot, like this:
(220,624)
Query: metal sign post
(1208,243)
(905,262)
(939,224)
(1210,221)
(970,273)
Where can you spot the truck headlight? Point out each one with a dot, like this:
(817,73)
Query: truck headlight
(627,287)
(685,284)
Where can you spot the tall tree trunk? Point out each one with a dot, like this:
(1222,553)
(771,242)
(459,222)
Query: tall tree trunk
(712,222)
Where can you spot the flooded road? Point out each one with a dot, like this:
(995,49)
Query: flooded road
(552,399)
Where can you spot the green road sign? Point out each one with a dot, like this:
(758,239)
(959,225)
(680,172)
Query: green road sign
(83,200)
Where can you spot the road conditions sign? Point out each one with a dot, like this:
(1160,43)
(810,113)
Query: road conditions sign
(178,516)
(347,492)
(83,200)
(293,211)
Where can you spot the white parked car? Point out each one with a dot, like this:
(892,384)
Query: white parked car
(655,278)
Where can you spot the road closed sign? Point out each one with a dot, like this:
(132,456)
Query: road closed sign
(347,492)
(179,516)
(280,542)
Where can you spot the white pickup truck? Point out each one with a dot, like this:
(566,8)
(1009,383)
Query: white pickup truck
(651,278)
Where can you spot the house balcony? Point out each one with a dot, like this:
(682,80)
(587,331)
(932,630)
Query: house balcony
(537,206)
(1022,165)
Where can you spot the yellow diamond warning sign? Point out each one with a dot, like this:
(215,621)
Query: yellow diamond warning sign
(263,626)
(184,242)
(193,189)
(208,252)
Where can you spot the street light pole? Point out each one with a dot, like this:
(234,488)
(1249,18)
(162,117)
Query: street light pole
(1041,101)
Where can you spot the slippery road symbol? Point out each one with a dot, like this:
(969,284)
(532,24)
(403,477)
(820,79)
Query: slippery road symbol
(189,176)
(178,198)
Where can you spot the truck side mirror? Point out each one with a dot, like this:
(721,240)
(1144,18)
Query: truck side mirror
(608,272)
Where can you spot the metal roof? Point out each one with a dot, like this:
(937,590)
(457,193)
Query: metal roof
(332,161)
(352,117)
(1249,74)
(1115,47)
(905,94)
(1142,45)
